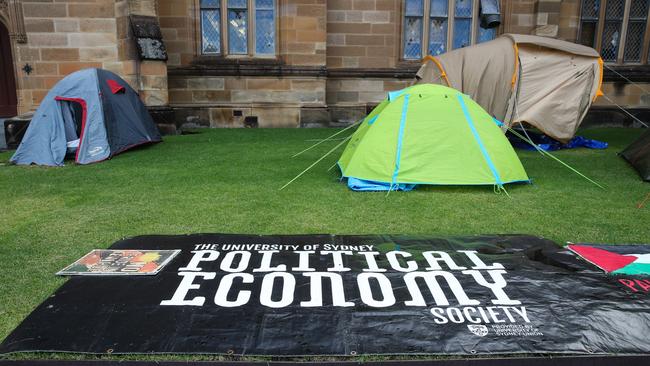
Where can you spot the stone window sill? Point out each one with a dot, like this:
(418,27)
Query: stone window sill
(207,60)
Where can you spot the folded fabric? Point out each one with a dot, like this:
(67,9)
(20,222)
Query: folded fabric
(368,185)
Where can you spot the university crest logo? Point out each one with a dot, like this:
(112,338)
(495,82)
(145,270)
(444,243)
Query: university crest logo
(479,330)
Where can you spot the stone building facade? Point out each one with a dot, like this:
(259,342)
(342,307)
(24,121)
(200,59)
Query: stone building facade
(290,63)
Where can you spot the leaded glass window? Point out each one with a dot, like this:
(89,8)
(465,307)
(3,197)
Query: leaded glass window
(636,27)
(589,22)
(463,23)
(210,27)
(623,22)
(437,26)
(413,29)
(264,27)
(612,32)
(238,27)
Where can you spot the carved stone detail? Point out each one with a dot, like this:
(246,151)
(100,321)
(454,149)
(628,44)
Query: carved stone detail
(12,12)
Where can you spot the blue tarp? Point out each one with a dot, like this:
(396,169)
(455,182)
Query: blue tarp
(548,144)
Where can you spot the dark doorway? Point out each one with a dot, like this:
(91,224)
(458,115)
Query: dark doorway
(8,99)
(72,113)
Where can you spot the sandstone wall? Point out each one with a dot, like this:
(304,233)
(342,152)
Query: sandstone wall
(68,35)
(363,33)
(63,37)
(335,59)
(226,100)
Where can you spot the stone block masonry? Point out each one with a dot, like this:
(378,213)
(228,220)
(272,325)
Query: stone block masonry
(334,59)
(275,101)
(70,35)
(363,33)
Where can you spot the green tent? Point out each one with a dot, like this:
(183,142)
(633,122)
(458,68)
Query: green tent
(429,134)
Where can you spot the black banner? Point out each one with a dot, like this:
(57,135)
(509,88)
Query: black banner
(346,295)
(513,361)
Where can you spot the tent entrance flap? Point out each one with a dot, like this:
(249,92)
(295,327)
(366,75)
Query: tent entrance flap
(72,113)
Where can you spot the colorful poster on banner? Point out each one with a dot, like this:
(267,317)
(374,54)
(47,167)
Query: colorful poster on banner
(131,262)
(347,295)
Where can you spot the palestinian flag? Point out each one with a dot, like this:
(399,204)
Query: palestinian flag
(614,263)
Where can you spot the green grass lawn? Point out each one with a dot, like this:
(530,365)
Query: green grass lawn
(227,181)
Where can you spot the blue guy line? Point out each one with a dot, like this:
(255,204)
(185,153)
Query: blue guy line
(478,140)
(373,119)
(400,137)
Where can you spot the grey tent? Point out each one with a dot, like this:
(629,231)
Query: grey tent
(638,155)
(92,113)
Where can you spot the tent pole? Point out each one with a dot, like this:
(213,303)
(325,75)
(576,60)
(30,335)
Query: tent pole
(329,138)
(333,165)
(316,162)
(555,158)
(526,133)
(626,112)
(628,80)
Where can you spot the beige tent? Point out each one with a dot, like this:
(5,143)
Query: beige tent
(545,82)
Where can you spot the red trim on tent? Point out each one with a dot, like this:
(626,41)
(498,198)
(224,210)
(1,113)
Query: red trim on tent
(115,86)
(82,102)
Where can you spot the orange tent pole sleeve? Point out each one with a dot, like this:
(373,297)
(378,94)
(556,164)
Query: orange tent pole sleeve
(514,74)
(599,92)
(442,70)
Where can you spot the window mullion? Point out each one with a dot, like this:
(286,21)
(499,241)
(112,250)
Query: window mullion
(198,31)
(474,30)
(601,26)
(251,28)
(626,21)
(276,27)
(451,13)
(402,32)
(426,20)
(224,28)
